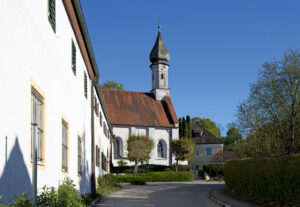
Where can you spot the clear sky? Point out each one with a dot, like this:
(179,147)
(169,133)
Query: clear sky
(217,47)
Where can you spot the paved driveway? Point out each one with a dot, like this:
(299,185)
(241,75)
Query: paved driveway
(162,194)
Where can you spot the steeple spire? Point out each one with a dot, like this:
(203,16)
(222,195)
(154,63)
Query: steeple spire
(159,52)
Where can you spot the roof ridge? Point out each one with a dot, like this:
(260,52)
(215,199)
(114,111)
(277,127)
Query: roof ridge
(121,91)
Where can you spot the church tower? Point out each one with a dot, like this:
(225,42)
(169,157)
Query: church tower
(159,58)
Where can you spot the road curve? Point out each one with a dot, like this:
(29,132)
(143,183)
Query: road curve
(161,195)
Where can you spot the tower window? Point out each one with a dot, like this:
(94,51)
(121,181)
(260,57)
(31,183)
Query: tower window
(162,76)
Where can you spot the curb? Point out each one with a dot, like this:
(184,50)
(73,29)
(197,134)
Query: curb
(95,201)
(220,203)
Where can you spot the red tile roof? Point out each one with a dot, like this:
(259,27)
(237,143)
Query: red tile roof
(138,108)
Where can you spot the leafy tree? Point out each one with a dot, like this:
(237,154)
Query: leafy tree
(139,149)
(182,149)
(180,127)
(232,137)
(274,105)
(112,85)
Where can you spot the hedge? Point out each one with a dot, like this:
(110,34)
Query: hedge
(269,180)
(157,177)
(149,168)
(214,170)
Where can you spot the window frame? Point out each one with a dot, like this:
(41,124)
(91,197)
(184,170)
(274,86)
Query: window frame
(206,152)
(163,146)
(67,147)
(36,90)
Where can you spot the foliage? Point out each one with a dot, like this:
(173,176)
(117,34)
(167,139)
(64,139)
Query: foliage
(232,137)
(208,124)
(48,197)
(107,183)
(67,195)
(214,170)
(112,85)
(271,180)
(201,173)
(182,149)
(122,163)
(158,177)
(150,168)
(139,149)
(138,182)
(274,106)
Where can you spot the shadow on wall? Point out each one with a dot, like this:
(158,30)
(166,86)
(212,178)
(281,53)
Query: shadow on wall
(85,182)
(15,178)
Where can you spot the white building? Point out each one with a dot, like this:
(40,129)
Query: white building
(145,113)
(48,76)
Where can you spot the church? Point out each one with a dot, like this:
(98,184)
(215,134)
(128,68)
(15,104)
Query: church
(145,113)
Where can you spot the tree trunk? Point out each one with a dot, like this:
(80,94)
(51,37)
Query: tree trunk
(176,166)
(135,167)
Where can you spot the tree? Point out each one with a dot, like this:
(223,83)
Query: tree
(180,127)
(139,149)
(189,127)
(182,149)
(208,124)
(232,137)
(274,104)
(184,128)
(112,85)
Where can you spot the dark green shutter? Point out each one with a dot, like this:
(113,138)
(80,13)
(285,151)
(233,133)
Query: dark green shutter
(73,57)
(51,13)
(85,85)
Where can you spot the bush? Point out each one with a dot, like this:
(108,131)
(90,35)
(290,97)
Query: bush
(157,177)
(270,180)
(137,182)
(201,173)
(214,170)
(149,168)
(107,183)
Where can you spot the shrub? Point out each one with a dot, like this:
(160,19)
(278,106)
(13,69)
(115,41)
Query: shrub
(201,173)
(137,182)
(122,163)
(270,180)
(48,197)
(107,183)
(67,195)
(157,177)
(214,170)
(149,168)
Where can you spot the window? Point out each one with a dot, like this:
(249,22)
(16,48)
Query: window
(208,151)
(96,106)
(97,156)
(161,149)
(197,152)
(79,156)
(105,129)
(64,145)
(100,119)
(73,57)
(162,76)
(85,85)
(37,117)
(103,161)
(118,147)
(197,167)
(51,13)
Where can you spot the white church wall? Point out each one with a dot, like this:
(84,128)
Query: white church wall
(33,55)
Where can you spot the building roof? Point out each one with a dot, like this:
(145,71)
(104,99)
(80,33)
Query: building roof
(223,156)
(138,108)
(159,52)
(205,136)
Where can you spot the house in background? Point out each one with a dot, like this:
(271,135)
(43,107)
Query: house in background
(143,113)
(206,146)
(223,156)
(48,77)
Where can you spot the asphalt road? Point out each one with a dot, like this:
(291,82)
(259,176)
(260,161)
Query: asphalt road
(161,194)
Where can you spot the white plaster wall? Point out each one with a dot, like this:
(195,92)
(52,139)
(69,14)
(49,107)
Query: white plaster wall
(30,50)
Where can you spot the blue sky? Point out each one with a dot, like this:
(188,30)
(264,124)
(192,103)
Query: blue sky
(217,47)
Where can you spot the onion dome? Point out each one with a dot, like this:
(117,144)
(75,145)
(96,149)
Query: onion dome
(159,52)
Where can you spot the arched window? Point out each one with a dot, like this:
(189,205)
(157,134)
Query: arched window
(161,149)
(118,147)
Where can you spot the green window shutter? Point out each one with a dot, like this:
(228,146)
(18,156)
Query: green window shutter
(51,13)
(85,85)
(73,57)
